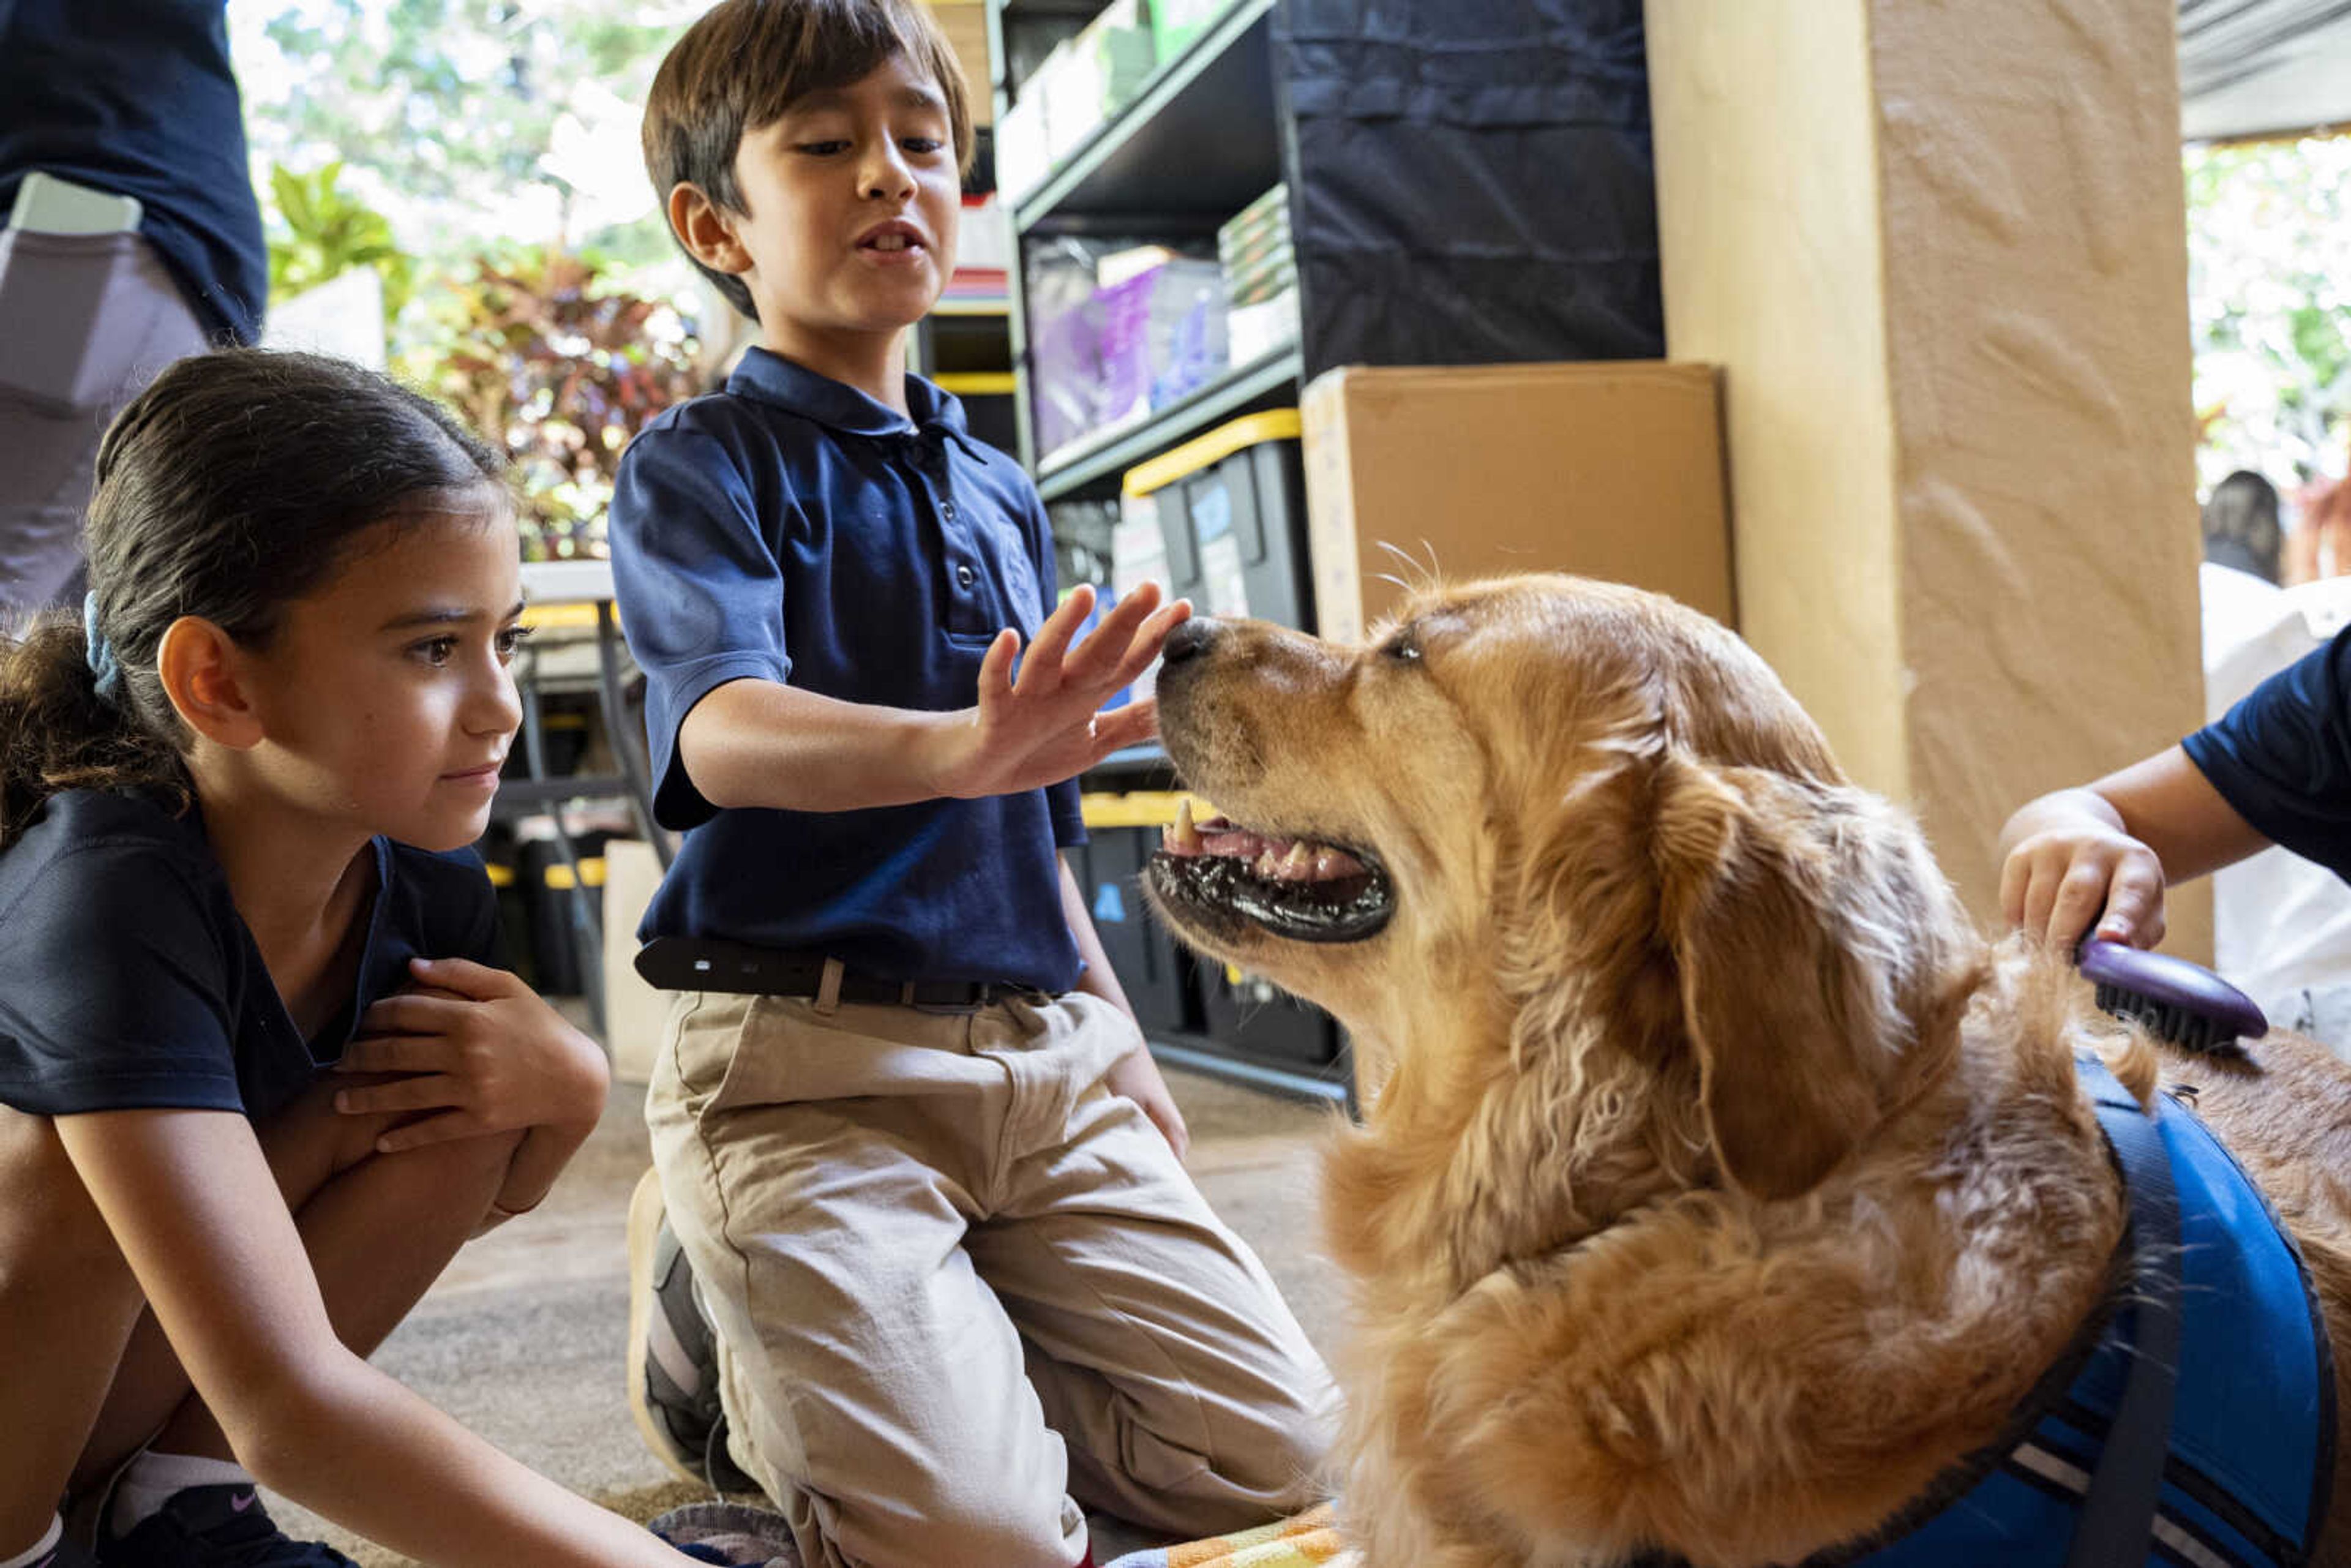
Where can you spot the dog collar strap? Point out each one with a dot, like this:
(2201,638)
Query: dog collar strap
(2118,1516)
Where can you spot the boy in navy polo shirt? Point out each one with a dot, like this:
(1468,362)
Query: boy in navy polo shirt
(908,1137)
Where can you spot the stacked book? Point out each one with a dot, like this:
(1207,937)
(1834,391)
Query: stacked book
(1261,269)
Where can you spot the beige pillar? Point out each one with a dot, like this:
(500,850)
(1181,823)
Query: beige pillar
(1940,248)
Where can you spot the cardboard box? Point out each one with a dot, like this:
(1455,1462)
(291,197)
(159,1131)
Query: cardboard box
(1610,469)
(634,1013)
(965,23)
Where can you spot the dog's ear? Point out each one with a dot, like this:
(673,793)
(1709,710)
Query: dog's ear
(1808,929)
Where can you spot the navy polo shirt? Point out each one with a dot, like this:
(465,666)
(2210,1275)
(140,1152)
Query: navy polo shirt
(793,529)
(129,981)
(2282,756)
(136,97)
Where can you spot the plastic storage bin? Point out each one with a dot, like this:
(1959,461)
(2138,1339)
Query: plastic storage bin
(1232,507)
(1256,1019)
(1157,974)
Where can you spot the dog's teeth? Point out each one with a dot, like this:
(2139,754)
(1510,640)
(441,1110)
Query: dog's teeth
(1184,837)
(1298,865)
(1269,865)
(1330,863)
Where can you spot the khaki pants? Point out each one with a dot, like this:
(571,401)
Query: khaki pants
(961,1288)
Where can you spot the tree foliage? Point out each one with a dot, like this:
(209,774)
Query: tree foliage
(327,232)
(465,121)
(2269,249)
(563,367)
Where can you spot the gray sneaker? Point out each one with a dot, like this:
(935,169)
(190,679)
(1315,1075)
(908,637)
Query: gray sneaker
(673,1354)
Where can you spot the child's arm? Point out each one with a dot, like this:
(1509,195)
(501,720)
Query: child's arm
(1136,1074)
(192,1202)
(761,742)
(2114,846)
(484,1054)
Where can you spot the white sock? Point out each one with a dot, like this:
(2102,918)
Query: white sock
(149,1481)
(41,1547)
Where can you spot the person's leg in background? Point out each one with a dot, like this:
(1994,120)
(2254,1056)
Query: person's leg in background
(1163,1352)
(88,320)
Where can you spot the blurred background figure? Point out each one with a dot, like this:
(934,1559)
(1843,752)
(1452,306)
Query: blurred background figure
(132,238)
(2241,526)
(2321,542)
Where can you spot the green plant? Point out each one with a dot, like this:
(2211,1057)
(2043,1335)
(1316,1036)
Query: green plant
(564,367)
(329,233)
(2268,225)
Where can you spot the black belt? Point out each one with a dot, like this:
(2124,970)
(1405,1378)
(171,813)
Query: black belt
(685,964)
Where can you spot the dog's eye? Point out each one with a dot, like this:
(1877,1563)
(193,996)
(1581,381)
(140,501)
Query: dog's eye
(1404,647)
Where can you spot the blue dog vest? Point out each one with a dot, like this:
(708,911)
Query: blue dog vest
(2250,1456)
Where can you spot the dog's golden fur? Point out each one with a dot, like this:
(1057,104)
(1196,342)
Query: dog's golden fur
(1722,1186)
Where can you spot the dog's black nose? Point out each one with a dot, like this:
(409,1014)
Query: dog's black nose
(1192,639)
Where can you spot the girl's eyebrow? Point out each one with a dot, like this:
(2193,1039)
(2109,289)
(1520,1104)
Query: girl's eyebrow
(442,615)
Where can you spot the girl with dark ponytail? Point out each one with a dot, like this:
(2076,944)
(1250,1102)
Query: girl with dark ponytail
(258,1079)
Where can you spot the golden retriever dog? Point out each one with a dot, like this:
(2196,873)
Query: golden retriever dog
(1721,1187)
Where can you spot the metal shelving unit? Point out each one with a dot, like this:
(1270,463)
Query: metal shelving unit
(1096,466)
(1201,141)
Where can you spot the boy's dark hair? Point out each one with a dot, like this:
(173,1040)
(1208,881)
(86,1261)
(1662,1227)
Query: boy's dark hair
(233,486)
(745,62)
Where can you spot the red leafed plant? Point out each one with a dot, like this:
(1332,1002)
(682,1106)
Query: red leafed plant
(564,369)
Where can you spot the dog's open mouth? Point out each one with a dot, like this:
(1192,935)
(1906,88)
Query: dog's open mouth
(1296,888)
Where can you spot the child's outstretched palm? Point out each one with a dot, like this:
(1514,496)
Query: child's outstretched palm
(1046,725)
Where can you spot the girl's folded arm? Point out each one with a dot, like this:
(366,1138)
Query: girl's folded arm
(190,1198)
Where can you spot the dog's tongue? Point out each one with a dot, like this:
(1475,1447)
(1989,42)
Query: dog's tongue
(1274,859)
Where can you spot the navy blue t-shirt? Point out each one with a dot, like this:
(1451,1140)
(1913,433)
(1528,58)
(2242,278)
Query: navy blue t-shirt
(128,980)
(136,97)
(793,529)
(2281,756)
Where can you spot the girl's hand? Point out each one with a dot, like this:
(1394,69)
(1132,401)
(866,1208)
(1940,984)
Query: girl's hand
(2058,880)
(1136,1076)
(1048,724)
(483,1053)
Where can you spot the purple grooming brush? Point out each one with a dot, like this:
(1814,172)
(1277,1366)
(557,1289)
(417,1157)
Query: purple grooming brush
(2179,1001)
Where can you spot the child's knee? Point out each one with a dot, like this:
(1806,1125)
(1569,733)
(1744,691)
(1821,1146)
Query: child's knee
(1274,1456)
(966,1520)
(479,1161)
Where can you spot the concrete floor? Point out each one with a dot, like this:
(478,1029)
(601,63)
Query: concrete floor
(523,1339)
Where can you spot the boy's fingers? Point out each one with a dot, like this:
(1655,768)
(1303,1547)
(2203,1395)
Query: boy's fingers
(1149,640)
(2015,875)
(2080,896)
(2134,906)
(1107,644)
(1124,727)
(1053,637)
(2040,897)
(995,671)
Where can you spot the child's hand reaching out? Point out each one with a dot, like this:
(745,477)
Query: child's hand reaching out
(1048,726)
